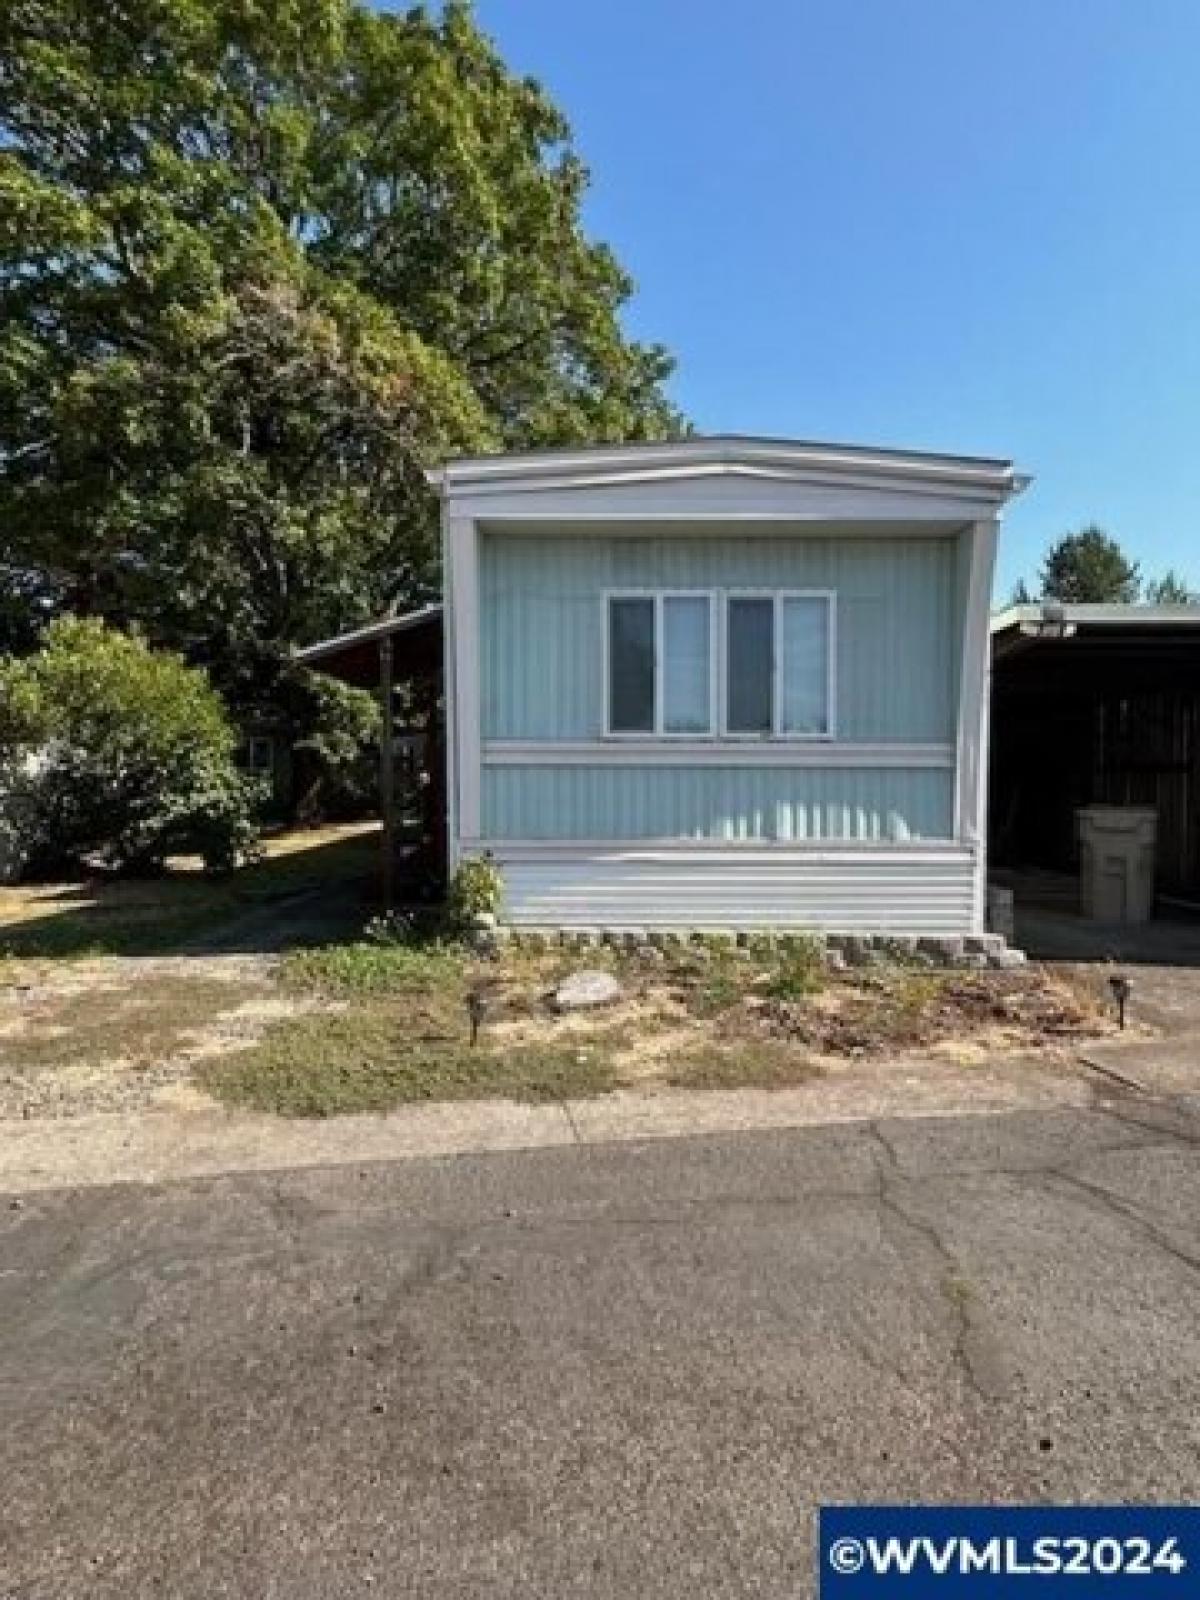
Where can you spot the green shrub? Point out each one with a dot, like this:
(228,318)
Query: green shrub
(115,753)
(476,889)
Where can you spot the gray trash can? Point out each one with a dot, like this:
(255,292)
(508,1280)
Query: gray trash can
(1116,845)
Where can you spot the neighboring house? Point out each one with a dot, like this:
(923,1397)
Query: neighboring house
(265,752)
(723,683)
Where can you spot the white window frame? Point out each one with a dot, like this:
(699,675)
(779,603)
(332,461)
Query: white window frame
(778,734)
(659,596)
(718,655)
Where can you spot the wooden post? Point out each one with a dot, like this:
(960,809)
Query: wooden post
(387,770)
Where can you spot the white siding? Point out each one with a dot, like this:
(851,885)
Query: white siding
(862,891)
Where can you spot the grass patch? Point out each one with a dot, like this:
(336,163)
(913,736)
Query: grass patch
(745,1064)
(321,1066)
(401,1034)
(363,968)
(112,916)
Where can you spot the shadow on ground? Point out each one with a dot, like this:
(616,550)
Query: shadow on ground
(312,893)
(1062,936)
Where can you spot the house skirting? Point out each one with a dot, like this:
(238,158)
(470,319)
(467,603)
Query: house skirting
(923,890)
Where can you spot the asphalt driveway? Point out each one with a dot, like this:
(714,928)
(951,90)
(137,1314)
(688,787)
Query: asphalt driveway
(626,1370)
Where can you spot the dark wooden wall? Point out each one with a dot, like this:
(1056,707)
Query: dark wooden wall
(1079,722)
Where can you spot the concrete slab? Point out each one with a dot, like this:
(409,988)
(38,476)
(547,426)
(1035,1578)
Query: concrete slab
(200,1142)
(154,1146)
(1161,1067)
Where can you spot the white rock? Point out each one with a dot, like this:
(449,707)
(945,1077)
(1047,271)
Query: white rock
(589,987)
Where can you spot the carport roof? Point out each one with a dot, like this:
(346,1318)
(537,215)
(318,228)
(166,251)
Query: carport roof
(354,657)
(1019,628)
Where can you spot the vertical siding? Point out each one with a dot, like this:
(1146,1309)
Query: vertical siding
(717,803)
(541,647)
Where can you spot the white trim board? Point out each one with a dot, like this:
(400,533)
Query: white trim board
(631,751)
(971,773)
(688,499)
(734,455)
(814,851)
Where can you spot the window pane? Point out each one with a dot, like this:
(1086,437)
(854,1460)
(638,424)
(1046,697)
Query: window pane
(805,674)
(685,665)
(749,665)
(631,666)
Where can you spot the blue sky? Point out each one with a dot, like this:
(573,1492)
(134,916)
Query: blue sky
(955,224)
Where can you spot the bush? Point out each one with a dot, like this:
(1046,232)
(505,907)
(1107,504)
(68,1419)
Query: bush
(476,889)
(116,753)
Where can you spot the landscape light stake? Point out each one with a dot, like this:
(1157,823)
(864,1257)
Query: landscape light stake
(1121,987)
(476,1010)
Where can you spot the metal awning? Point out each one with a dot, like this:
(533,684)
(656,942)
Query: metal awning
(1082,632)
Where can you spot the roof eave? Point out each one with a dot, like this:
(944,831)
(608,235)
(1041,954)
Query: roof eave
(382,629)
(727,453)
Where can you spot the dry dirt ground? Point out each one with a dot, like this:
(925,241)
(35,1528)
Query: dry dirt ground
(116,1033)
(119,1034)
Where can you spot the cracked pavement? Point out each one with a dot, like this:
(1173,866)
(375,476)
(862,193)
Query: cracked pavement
(627,1369)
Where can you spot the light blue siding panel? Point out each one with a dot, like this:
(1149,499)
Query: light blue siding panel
(815,803)
(898,626)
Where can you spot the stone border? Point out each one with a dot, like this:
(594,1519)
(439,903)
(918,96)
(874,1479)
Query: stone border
(974,951)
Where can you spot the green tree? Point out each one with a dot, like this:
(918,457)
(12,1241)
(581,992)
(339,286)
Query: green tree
(259,267)
(112,751)
(1172,589)
(1089,567)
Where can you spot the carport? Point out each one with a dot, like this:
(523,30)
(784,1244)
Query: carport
(1094,705)
(400,659)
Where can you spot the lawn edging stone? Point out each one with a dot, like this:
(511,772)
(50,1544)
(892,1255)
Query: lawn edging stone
(838,951)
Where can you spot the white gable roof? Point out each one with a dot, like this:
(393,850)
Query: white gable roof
(725,472)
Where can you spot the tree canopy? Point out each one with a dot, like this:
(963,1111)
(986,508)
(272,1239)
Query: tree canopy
(259,267)
(1089,567)
(1172,589)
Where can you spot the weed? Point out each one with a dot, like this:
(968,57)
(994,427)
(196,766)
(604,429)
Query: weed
(715,989)
(798,975)
(919,991)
